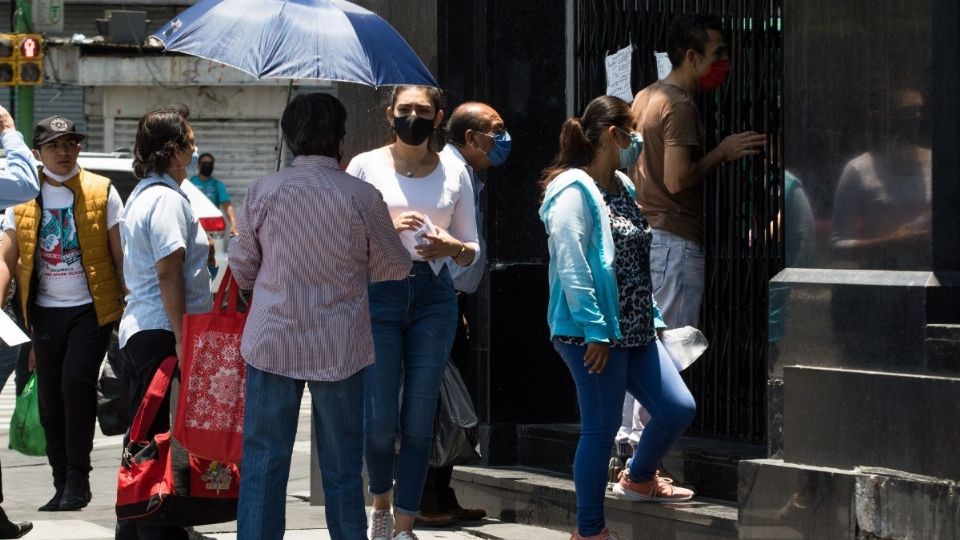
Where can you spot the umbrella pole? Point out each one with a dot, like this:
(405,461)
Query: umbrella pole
(280,130)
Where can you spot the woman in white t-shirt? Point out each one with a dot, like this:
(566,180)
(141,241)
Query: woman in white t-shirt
(414,320)
(70,276)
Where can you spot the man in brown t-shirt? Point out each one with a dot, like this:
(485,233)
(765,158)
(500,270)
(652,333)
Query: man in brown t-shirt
(669,175)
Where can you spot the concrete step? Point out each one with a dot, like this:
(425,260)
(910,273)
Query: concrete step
(709,466)
(943,349)
(547,499)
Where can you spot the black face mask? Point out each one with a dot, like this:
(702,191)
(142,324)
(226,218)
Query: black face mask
(412,129)
(206,169)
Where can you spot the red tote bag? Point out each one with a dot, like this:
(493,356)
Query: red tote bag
(209,420)
(160,482)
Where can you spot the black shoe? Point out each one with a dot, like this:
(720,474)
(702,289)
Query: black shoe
(53,505)
(15,530)
(9,529)
(76,495)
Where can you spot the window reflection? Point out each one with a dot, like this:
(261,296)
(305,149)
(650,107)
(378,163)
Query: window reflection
(881,207)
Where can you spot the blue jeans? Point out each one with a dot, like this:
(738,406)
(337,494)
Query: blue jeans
(269,430)
(677,271)
(658,386)
(414,323)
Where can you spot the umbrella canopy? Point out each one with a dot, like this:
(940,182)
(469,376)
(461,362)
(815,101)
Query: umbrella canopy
(331,40)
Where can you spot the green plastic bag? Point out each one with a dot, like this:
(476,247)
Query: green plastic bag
(26,433)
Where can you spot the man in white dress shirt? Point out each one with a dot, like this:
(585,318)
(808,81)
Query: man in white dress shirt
(476,137)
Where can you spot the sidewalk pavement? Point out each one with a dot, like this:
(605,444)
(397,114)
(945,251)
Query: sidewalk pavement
(27,484)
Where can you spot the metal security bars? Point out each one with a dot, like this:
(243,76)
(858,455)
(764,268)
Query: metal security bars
(743,200)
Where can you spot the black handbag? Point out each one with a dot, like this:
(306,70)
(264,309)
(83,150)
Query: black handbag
(455,433)
(113,409)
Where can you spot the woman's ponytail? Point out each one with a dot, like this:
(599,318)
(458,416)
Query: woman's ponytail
(580,136)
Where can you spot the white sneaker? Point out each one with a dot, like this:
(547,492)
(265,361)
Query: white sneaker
(381,525)
(405,535)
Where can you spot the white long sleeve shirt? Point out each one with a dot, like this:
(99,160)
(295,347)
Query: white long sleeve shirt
(445,195)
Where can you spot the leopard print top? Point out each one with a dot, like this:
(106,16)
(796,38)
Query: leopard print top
(631,239)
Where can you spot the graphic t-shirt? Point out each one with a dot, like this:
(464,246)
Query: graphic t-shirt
(213,189)
(63,282)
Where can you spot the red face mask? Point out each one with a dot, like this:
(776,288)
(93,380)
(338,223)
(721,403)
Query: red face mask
(715,76)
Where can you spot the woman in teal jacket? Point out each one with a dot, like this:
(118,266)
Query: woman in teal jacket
(602,316)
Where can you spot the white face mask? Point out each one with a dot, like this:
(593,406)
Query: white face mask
(193,167)
(54,176)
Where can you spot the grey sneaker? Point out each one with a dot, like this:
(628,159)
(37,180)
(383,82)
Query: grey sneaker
(381,525)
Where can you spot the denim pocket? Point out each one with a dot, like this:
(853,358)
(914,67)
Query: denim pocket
(691,249)
(659,255)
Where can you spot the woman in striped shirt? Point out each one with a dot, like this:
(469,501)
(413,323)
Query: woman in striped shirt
(414,319)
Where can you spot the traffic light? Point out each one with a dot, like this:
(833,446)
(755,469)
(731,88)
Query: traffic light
(8,60)
(29,60)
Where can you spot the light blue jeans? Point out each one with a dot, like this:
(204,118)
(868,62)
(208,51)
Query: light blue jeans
(414,322)
(269,430)
(653,380)
(677,271)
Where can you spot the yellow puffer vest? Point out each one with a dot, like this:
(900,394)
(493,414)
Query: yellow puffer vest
(90,194)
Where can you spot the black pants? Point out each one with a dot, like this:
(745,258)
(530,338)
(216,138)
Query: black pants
(69,346)
(142,356)
(22,372)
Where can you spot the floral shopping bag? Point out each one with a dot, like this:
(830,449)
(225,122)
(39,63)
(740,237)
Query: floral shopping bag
(209,420)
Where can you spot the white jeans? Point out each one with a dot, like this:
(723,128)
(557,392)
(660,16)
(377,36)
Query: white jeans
(677,271)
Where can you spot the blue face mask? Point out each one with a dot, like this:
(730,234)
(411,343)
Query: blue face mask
(502,142)
(630,154)
(194,166)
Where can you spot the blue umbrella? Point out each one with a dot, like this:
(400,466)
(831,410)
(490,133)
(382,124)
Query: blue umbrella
(332,40)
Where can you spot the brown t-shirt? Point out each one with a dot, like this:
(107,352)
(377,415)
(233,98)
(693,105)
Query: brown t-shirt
(666,115)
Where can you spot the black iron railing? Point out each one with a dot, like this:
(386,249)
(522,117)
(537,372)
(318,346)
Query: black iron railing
(743,200)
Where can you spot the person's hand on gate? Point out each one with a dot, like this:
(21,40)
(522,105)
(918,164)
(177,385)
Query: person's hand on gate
(741,145)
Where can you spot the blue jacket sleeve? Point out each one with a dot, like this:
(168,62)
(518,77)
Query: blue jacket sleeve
(571,228)
(658,321)
(19,182)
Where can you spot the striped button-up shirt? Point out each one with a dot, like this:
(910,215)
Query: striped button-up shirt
(311,238)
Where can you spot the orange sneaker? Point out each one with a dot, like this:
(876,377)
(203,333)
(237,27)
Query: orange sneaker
(659,489)
(604,535)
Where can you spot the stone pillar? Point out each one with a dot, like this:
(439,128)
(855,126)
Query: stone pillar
(864,372)
(512,55)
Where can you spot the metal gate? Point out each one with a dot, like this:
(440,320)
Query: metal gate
(743,200)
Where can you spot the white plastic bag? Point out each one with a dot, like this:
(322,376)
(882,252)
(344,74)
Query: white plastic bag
(411,239)
(682,345)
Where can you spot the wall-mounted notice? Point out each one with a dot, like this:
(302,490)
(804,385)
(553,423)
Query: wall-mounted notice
(663,65)
(619,65)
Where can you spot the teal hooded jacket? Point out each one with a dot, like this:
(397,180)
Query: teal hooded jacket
(584,298)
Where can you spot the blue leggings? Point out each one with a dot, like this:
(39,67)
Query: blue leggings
(655,382)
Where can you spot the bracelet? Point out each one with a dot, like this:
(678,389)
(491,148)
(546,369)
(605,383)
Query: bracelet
(459,253)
